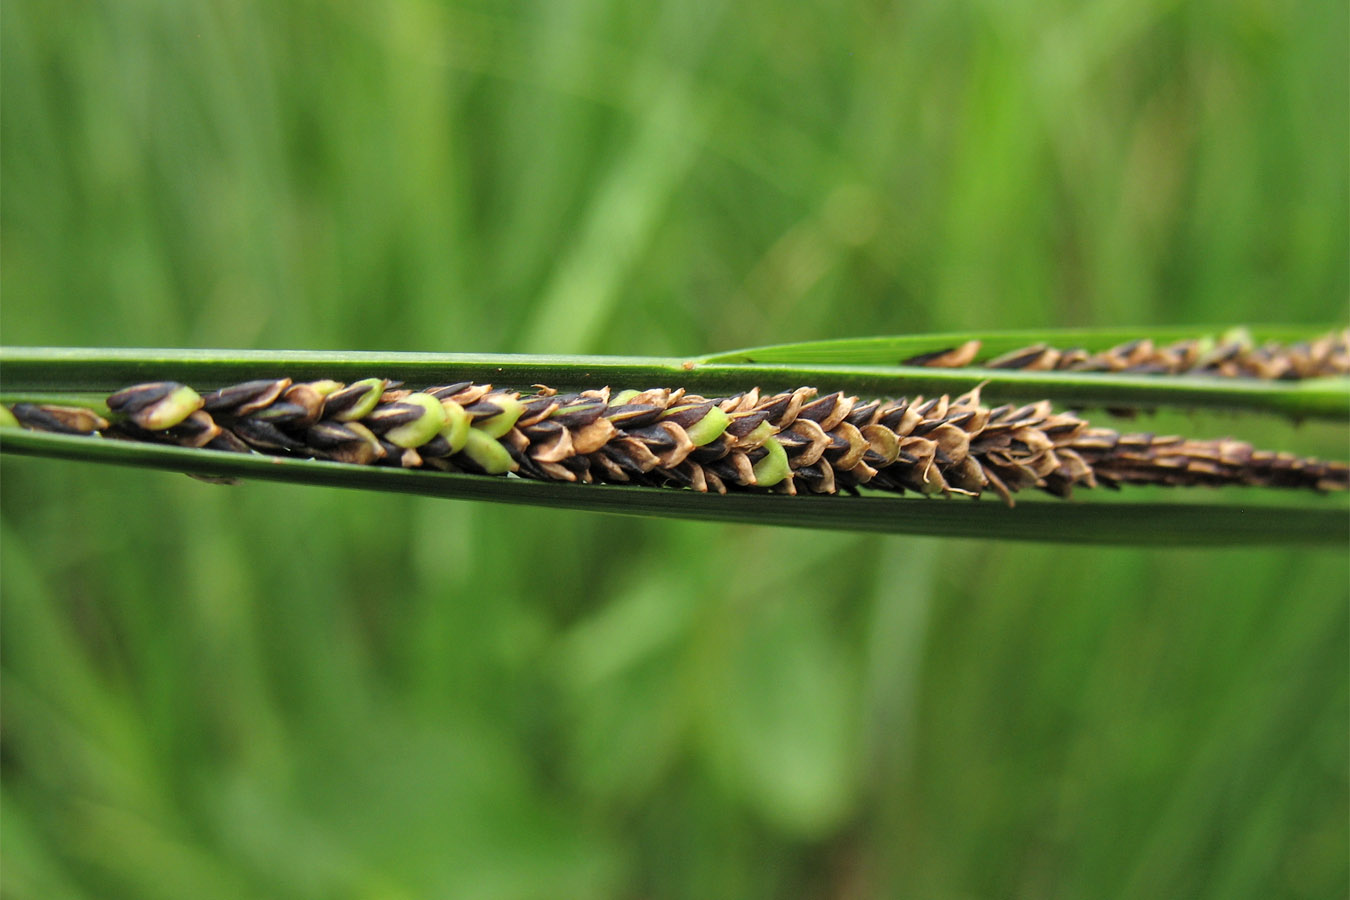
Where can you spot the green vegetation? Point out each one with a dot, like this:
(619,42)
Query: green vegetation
(279,690)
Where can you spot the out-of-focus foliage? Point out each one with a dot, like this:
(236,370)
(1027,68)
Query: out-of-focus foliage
(275,691)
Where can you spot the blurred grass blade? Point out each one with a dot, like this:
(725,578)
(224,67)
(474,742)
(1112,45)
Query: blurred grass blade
(1167,524)
(42,371)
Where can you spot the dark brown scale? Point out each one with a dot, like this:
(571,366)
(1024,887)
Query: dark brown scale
(240,399)
(528,467)
(1018,359)
(438,447)
(793,441)
(450,390)
(1067,427)
(777,406)
(959,419)
(1072,358)
(892,416)
(392,453)
(654,436)
(338,402)
(1092,364)
(923,409)
(999,413)
(578,415)
(946,358)
(325,435)
(813,477)
(685,418)
(838,443)
(39,418)
(928,425)
(1128,348)
(725,472)
(483,409)
(130,431)
(391,415)
(538,406)
(820,410)
(713,450)
(265,435)
(637,415)
(744,423)
(229,442)
(862,414)
(623,460)
(282,414)
(197,430)
(579,465)
(678,476)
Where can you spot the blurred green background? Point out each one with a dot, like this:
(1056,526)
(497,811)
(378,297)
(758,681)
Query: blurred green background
(273,691)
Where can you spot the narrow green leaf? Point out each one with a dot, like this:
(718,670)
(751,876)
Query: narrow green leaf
(49,369)
(1324,521)
(54,370)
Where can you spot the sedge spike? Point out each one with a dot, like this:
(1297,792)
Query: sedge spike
(790,442)
(1232,355)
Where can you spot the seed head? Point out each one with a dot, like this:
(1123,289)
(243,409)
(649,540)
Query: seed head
(787,442)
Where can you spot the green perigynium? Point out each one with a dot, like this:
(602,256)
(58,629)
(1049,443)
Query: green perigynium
(156,406)
(497,424)
(455,431)
(487,454)
(708,428)
(356,401)
(421,429)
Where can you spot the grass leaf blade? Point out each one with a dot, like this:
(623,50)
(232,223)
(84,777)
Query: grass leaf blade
(1166,524)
